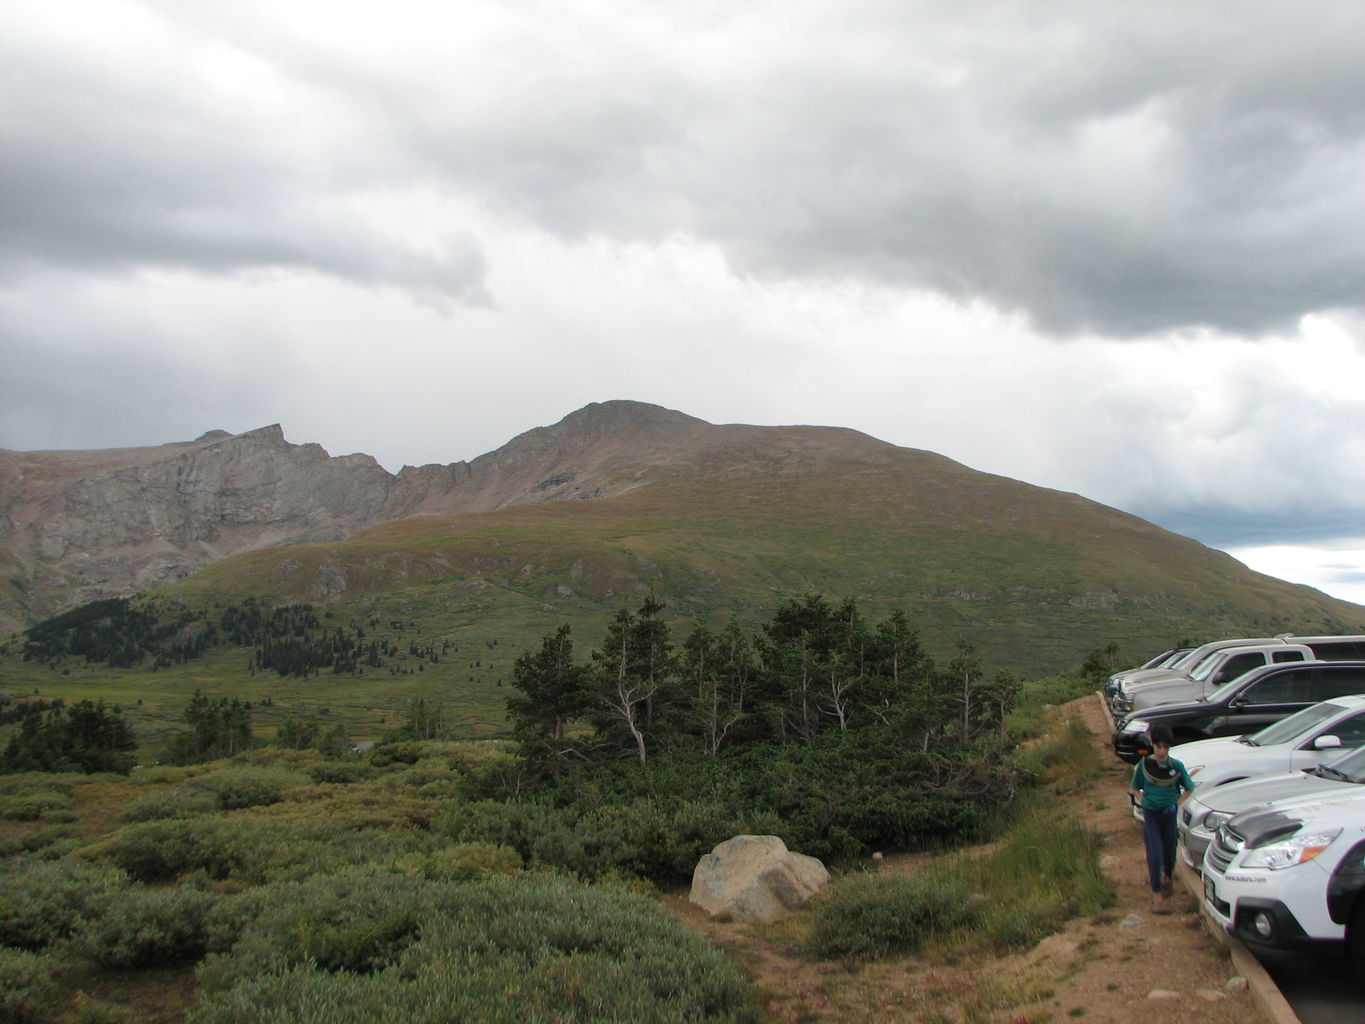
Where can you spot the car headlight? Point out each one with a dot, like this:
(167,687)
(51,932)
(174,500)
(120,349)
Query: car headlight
(1299,849)
(1214,819)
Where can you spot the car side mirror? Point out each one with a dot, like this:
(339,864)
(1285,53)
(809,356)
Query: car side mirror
(1327,743)
(1239,703)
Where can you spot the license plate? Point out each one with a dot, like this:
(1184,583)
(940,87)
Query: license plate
(1210,893)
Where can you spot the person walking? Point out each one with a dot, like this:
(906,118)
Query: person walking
(1160,783)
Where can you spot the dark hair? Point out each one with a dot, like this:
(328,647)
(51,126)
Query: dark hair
(1162,734)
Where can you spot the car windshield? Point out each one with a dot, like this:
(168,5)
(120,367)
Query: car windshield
(1159,661)
(1208,666)
(1349,766)
(1287,730)
(1226,690)
(1183,662)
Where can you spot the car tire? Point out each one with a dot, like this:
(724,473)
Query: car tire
(1355,940)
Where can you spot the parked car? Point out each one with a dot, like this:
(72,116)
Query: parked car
(1288,876)
(1302,740)
(1248,703)
(1209,806)
(1167,659)
(1181,668)
(1212,672)
(1332,648)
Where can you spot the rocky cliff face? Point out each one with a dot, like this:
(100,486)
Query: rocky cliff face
(80,525)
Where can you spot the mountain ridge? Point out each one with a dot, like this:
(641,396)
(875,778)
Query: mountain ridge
(613,500)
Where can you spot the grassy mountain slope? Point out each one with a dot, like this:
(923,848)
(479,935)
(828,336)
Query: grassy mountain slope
(731,519)
(568,524)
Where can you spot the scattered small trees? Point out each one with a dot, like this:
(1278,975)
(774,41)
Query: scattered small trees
(814,669)
(219,727)
(88,736)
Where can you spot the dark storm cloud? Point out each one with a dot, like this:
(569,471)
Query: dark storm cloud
(110,172)
(1118,168)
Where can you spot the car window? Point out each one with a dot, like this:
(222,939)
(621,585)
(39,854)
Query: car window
(1338,650)
(1351,732)
(1297,725)
(1281,687)
(1339,681)
(1283,656)
(1239,664)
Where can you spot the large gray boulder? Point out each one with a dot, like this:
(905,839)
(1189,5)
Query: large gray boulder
(755,878)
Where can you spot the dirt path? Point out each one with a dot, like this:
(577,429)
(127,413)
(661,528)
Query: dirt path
(1124,966)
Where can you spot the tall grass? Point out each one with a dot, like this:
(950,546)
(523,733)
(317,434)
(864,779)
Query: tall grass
(1044,871)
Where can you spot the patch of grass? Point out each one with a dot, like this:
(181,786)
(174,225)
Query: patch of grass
(1043,872)
(1062,761)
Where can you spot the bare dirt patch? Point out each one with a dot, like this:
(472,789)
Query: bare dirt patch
(1122,966)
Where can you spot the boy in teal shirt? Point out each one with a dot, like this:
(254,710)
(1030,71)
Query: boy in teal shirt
(1160,782)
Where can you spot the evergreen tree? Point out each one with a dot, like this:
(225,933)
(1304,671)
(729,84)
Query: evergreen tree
(88,737)
(218,728)
(718,671)
(631,682)
(552,693)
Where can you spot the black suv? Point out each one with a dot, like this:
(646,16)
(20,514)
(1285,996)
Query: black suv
(1250,701)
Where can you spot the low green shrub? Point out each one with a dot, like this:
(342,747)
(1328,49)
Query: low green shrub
(42,902)
(258,846)
(649,838)
(520,950)
(28,992)
(35,805)
(248,786)
(146,928)
(467,862)
(877,915)
(184,802)
(341,772)
(158,851)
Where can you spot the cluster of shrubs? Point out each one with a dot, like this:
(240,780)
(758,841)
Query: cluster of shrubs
(461,933)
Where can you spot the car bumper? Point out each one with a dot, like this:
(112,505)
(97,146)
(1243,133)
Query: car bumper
(1193,844)
(1255,907)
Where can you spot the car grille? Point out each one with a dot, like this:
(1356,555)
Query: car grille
(1225,846)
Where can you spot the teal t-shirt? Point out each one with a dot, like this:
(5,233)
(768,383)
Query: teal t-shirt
(1162,785)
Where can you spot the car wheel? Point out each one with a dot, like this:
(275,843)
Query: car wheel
(1355,941)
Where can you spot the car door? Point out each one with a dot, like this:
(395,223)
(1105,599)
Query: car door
(1266,699)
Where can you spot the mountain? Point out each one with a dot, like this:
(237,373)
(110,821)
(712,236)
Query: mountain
(80,525)
(571,521)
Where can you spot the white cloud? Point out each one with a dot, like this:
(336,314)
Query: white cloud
(1337,568)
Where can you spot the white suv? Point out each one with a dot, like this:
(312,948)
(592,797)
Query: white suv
(1292,875)
(1303,740)
(1210,806)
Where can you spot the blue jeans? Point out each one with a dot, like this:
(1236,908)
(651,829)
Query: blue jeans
(1158,834)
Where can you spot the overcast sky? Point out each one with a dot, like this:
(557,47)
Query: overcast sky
(1111,248)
